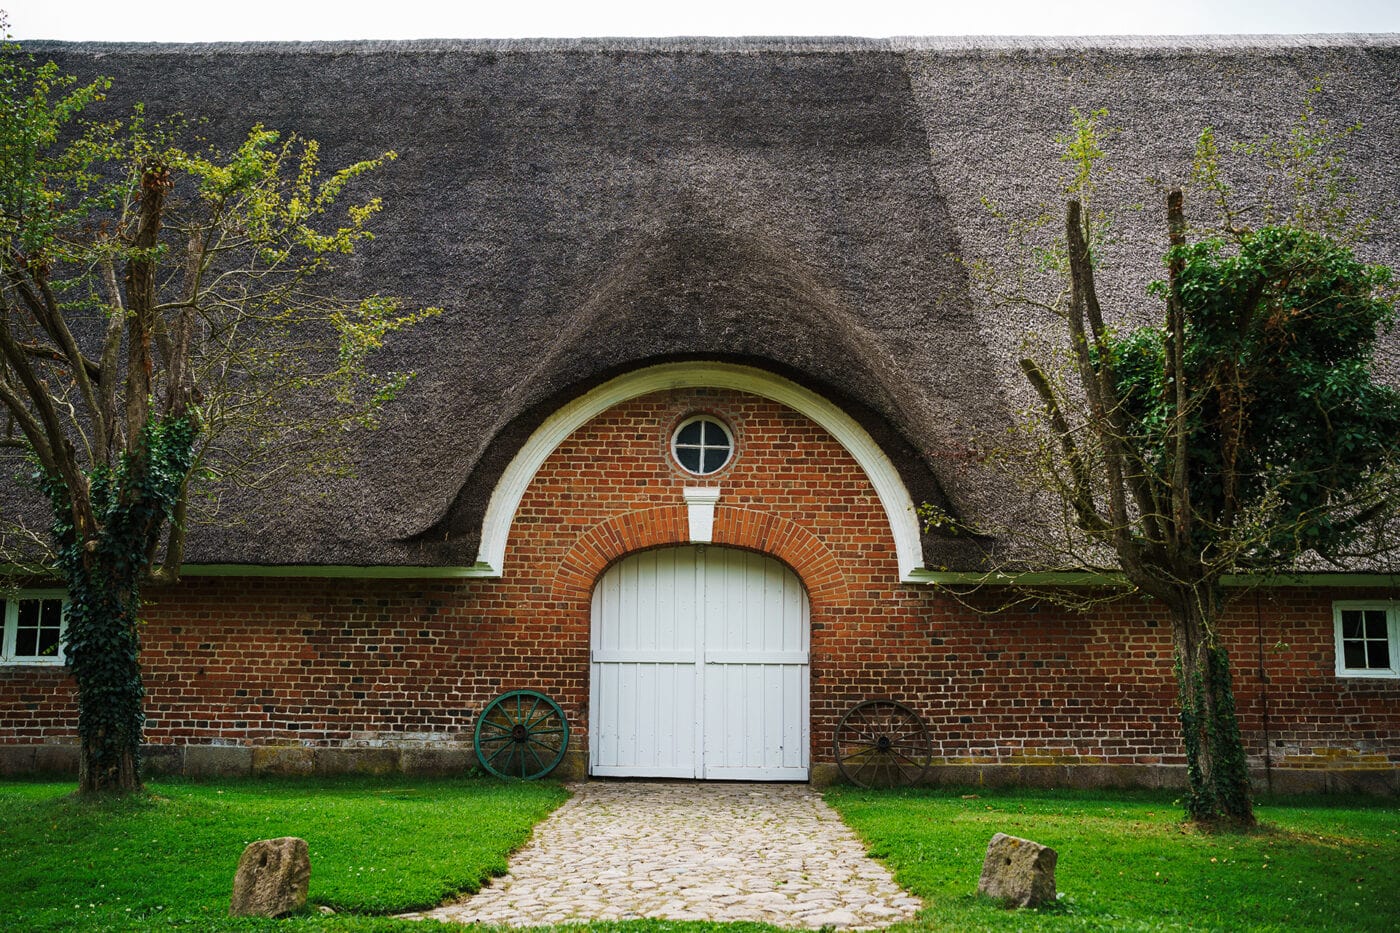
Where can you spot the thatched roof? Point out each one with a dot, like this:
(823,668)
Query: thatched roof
(579,208)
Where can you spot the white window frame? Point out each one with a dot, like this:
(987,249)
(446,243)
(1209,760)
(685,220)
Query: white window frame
(10,628)
(712,419)
(1392,627)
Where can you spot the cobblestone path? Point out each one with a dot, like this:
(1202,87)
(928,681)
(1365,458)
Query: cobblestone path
(683,851)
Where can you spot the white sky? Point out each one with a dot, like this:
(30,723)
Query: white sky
(205,20)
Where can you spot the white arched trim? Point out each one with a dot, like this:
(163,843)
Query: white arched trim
(500,511)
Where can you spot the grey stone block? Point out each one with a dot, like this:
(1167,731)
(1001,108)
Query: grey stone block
(284,760)
(17,760)
(1001,776)
(163,759)
(1298,781)
(1378,782)
(1044,776)
(203,761)
(1096,777)
(356,760)
(436,761)
(953,776)
(57,759)
(574,767)
(1168,777)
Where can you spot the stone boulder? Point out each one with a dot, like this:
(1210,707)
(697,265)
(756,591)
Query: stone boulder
(1018,872)
(272,878)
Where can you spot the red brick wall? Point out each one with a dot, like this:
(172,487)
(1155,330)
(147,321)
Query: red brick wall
(329,662)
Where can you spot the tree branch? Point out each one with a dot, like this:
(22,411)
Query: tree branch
(1082,492)
(109,429)
(45,432)
(141,296)
(1175,369)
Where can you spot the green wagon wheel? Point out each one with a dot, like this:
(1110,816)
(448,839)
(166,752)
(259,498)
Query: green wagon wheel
(521,734)
(882,743)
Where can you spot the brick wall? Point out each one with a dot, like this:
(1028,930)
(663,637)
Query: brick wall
(331,663)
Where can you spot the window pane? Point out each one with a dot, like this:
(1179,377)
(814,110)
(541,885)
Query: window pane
(1377,654)
(1351,623)
(26,642)
(689,457)
(714,458)
(48,642)
(692,433)
(1375,623)
(1354,655)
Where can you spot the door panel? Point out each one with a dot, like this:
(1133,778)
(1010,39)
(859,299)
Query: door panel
(699,667)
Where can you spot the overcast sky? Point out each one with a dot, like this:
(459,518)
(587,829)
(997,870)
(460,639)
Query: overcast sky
(203,20)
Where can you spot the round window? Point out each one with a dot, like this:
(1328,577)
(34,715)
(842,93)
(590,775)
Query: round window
(702,445)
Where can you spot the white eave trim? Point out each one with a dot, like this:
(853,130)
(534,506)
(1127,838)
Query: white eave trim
(335,571)
(894,497)
(1103,579)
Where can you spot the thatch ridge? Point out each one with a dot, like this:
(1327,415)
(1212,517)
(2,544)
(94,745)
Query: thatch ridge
(743,44)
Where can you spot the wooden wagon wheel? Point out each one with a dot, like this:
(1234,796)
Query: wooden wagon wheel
(882,743)
(521,734)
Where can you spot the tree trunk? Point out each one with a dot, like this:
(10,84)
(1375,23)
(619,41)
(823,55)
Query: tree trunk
(102,651)
(1216,768)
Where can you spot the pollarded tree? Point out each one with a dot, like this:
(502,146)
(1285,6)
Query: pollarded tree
(1244,434)
(165,315)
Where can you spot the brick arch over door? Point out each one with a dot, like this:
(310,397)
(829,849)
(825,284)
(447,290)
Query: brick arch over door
(880,472)
(609,541)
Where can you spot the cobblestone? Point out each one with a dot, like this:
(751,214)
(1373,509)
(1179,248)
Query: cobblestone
(683,851)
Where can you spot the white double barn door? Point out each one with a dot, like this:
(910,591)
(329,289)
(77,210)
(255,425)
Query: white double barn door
(699,667)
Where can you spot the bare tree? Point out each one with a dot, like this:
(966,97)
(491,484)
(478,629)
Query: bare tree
(1243,434)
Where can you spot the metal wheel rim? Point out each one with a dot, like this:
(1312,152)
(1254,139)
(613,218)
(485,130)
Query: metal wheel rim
(521,735)
(882,743)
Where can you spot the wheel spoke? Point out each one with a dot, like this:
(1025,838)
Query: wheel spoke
(898,754)
(881,743)
(518,728)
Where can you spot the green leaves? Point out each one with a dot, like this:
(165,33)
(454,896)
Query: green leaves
(49,175)
(1291,439)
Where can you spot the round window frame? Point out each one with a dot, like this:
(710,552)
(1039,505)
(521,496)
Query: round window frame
(713,419)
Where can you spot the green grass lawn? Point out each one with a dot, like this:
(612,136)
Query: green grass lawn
(380,846)
(377,846)
(1127,863)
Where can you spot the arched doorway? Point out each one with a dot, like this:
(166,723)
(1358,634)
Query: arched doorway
(699,667)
